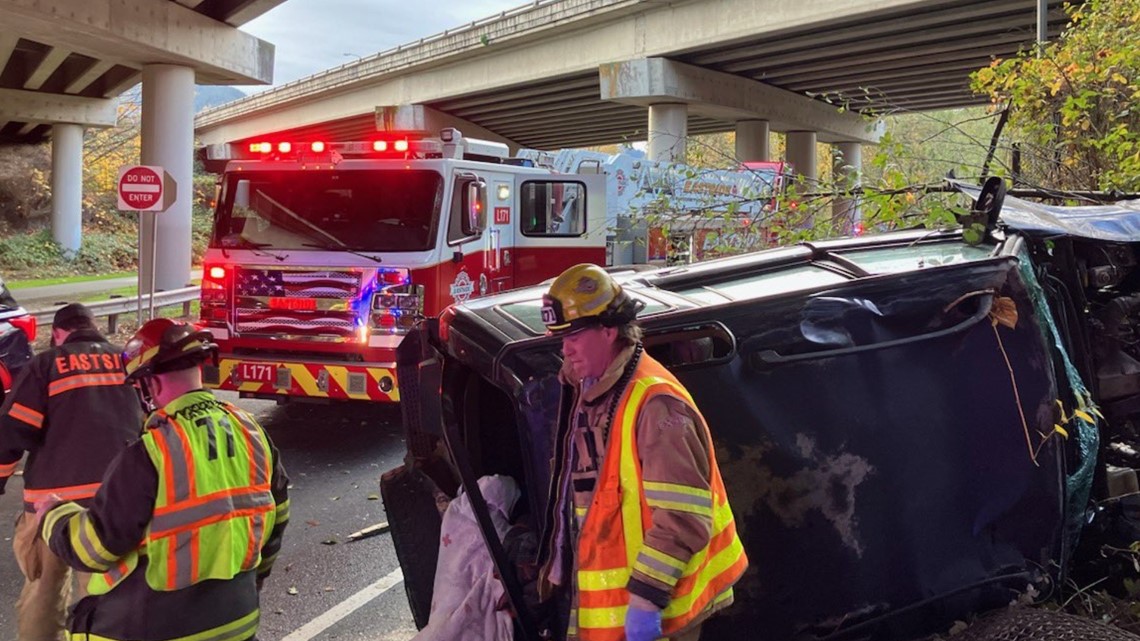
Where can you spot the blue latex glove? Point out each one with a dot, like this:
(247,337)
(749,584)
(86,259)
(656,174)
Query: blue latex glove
(642,625)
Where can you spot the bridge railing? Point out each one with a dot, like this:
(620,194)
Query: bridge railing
(112,308)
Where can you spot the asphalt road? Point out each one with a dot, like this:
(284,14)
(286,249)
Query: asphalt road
(343,590)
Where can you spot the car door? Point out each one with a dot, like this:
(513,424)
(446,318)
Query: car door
(561,223)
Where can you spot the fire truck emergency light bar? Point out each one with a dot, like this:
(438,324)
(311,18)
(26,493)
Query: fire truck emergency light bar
(396,147)
(450,144)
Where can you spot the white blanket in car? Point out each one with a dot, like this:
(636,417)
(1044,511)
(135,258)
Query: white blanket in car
(466,590)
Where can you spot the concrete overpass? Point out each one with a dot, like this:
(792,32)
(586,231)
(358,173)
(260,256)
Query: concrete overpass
(64,62)
(586,72)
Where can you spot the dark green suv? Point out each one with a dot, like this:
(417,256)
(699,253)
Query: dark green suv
(911,428)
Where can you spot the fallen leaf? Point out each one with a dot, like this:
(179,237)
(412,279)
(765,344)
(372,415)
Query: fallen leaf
(329,542)
(334,498)
(312,523)
(328,588)
(292,590)
(373,497)
(1004,312)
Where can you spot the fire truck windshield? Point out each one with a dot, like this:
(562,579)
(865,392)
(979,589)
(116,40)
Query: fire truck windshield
(361,210)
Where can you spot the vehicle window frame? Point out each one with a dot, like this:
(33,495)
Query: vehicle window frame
(584,212)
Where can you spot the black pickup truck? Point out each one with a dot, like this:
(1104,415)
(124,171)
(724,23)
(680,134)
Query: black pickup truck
(911,428)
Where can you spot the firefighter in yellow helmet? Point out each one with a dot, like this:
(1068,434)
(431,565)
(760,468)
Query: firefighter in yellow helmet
(189,517)
(643,538)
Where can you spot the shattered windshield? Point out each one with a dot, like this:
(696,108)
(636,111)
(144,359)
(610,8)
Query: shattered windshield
(351,210)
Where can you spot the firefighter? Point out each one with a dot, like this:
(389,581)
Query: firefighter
(73,411)
(189,517)
(642,535)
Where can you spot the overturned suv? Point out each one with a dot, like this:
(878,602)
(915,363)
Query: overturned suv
(911,428)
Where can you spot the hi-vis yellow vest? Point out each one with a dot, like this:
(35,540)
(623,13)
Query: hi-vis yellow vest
(607,554)
(214,510)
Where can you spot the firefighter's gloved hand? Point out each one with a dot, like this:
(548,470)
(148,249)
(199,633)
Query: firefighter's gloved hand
(642,624)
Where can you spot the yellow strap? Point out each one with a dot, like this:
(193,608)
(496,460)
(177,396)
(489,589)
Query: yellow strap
(58,512)
(243,628)
(628,477)
(593,580)
(678,488)
(662,557)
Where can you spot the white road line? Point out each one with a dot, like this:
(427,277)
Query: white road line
(345,608)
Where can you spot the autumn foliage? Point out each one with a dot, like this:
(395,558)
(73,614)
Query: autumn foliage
(1073,104)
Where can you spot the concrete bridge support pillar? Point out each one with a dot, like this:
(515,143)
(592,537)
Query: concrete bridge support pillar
(752,141)
(668,130)
(168,141)
(847,168)
(67,187)
(801,154)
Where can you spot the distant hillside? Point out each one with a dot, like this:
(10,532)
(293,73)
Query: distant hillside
(205,96)
(214,95)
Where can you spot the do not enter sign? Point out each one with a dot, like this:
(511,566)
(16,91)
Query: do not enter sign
(141,188)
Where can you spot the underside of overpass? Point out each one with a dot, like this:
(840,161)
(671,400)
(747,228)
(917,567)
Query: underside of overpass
(61,56)
(874,57)
(63,64)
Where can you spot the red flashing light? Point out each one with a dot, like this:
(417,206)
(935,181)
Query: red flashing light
(260,147)
(401,145)
(317,147)
(27,324)
(392,277)
(216,273)
(379,145)
(859,229)
(386,321)
(284,147)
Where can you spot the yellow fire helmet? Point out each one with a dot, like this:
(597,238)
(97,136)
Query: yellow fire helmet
(586,295)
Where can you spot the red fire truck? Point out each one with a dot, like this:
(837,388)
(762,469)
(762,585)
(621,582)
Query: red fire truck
(323,254)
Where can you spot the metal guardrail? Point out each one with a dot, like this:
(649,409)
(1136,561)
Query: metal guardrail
(126,305)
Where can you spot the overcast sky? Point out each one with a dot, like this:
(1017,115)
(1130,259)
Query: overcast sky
(314,35)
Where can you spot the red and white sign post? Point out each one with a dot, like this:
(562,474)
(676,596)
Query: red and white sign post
(145,188)
(140,188)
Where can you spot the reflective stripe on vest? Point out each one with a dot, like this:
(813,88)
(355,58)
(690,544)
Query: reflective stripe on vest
(608,554)
(243,628)
(213,506)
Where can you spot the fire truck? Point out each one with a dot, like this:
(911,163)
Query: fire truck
(667,213)
(324,254)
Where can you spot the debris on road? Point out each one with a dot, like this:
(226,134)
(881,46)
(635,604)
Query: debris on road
(371,530)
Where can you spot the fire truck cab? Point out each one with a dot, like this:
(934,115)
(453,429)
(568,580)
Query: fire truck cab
(323,255)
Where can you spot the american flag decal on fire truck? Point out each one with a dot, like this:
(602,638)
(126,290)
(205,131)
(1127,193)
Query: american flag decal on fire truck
(302,302)
(279,282)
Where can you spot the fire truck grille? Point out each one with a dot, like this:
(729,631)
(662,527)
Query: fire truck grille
(296,302)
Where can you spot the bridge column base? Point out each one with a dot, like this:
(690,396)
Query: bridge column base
(67,187)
